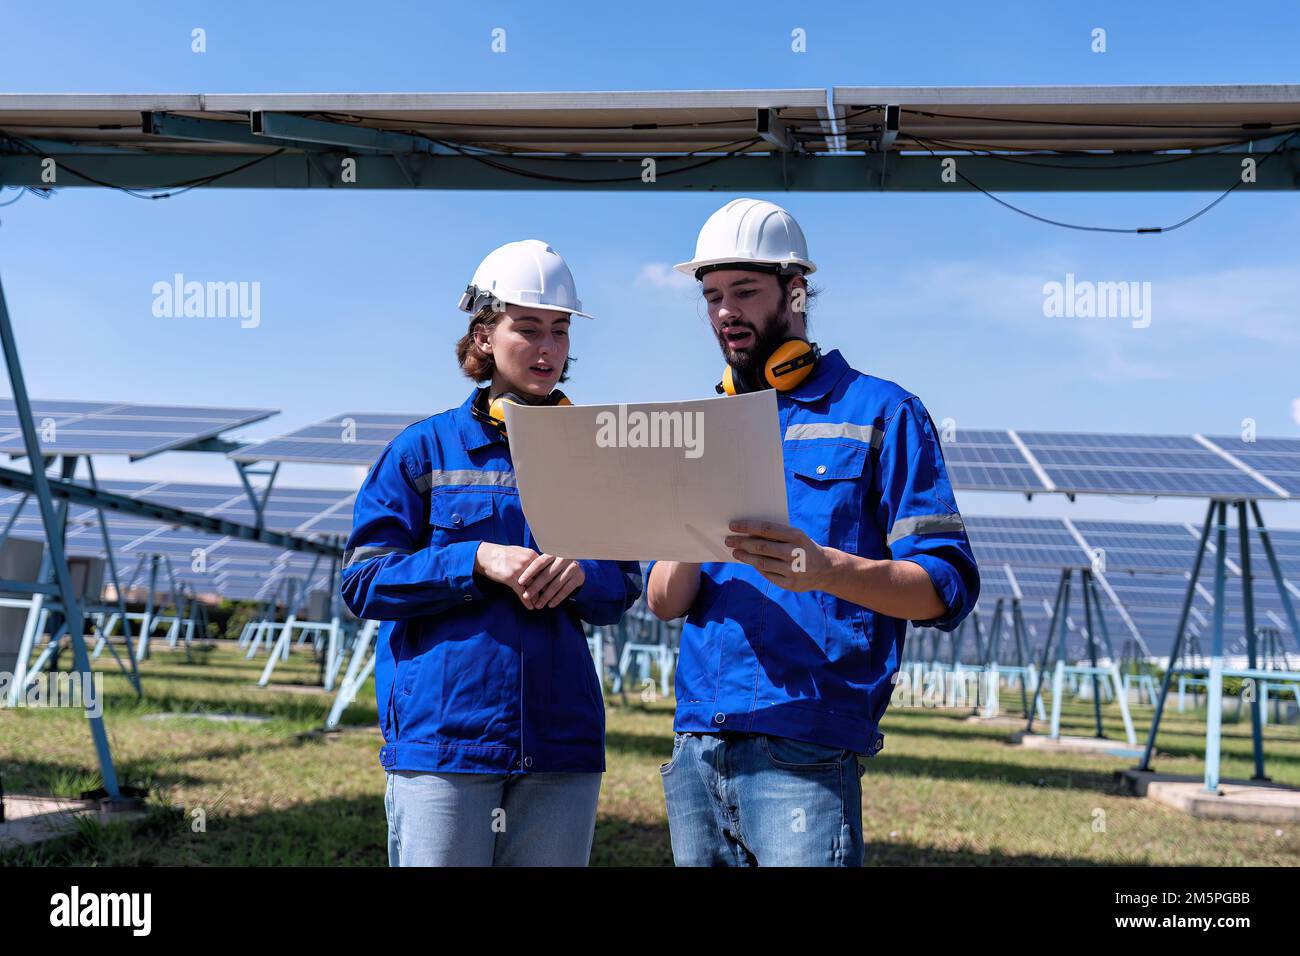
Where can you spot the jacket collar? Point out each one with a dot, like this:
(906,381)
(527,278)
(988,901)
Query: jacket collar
(474,433)
(831,367)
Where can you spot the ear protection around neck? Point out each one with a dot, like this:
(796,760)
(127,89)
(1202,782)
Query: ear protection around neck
(493,412)
(786,369)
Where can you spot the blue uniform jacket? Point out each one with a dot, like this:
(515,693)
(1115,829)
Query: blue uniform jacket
(467,679)
(865,474)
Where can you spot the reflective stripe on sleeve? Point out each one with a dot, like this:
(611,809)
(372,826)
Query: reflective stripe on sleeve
(357,555)
(925,524)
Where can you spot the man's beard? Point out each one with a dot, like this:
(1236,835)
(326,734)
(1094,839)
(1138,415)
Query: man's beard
(748,364)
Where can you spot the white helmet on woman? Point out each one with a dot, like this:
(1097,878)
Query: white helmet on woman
(528,272)
(750,233)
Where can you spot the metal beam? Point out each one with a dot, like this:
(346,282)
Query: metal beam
(288,126)
(80,494)
(796,172)
(156,123)
(770,128)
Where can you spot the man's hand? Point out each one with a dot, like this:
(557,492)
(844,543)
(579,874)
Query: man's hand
(790,559)
(783,555)
(549,579)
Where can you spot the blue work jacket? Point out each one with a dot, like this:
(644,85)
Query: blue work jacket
(466,678)
(864,473)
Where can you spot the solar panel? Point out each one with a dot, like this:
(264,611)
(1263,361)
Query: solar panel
(1138,465)
(983,460)
(1098,463)
(119,428)
(354,438)
(650,122)
(1277,459)
(1024,542)
(1141,546)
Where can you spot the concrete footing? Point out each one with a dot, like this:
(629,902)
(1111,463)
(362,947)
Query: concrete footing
(1102,746)
(219,718)
(33,820)
(1246,800)
(999,721)
(308,689)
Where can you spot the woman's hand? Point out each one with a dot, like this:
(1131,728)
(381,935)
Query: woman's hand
(549,580)
(539,580)
(504,564)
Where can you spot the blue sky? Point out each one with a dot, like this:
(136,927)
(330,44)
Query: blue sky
(942,293)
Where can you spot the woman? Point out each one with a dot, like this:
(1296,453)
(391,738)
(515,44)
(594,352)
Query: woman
(489,704)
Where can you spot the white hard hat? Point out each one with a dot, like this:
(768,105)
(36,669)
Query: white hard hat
(528,272)
(750,231)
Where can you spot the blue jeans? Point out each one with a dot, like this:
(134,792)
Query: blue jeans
(490,819)
(756,800)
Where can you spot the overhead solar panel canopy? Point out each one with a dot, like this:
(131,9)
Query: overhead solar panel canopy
(353,438)
(120,428)
(842,138)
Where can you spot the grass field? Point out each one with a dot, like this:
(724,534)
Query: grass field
(280,793)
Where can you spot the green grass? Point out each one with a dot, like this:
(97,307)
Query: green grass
(280,793)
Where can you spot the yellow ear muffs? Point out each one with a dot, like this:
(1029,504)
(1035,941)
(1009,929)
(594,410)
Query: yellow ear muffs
(496,411)
(791,363)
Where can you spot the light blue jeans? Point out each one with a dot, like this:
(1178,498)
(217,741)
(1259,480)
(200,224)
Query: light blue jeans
(490,819)
(756,800)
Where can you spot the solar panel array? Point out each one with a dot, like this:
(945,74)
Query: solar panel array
(1090,463)
(1146,565)
(119,428)
(354,438)
(234,568)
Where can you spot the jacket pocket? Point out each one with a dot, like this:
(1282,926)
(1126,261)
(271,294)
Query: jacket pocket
(460,516)
(700,652)
(827,490)
(573,709)
(454,516)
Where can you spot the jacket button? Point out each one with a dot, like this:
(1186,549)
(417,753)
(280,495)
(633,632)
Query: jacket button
(821,469)
(719,718)
(528,761)
(469,597)
(455,519)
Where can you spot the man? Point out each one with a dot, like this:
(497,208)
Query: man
(788,654)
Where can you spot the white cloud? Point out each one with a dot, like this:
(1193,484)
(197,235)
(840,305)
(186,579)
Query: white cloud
(1195,316)
(1295,410)
(660,275)
(1256,302)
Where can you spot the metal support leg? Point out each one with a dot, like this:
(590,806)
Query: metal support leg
(1214,711)
(1176,650)
(281,647)
(1047,649)
(68,594)
(362,659)
(1248,609)
(146,626)
(1087,584)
